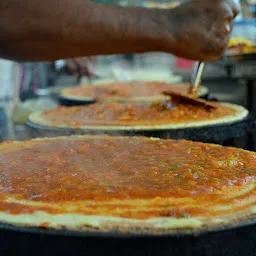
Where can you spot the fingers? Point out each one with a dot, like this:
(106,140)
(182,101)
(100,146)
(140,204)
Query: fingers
(78,65)
(71,66)
(213,50)
(234,8)
(230,12)
(82,64)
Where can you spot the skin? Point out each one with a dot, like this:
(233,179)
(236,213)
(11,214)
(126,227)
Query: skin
(35,30)
(79,66)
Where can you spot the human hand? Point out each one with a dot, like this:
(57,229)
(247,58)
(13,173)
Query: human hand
(199,29)
(79,66)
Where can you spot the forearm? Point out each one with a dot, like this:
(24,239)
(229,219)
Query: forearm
(58,29)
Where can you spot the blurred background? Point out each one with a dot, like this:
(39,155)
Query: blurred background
(28,86)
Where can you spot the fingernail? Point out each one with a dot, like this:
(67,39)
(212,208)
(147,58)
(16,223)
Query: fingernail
(227,27)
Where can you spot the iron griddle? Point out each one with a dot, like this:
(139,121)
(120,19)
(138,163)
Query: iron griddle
(211,133)
(232,240)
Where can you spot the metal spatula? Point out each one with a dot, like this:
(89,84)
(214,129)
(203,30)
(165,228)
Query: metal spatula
(191,96)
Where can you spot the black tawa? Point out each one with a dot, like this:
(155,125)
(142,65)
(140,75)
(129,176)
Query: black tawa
(230,241)
(212,133)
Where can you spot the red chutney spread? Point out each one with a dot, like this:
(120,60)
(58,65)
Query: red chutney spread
(125,90)
(132,177)
(127,114)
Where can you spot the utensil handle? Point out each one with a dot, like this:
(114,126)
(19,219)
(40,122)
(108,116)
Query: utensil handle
(196,77)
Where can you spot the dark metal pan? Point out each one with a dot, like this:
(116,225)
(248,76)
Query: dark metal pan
(239,240)
(212,133)
(72,102)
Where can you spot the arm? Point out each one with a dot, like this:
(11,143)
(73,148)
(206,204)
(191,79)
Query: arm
(58,29)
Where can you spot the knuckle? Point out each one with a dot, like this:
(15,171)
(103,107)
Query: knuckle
(231,9)
(222,47)
(235,7)
(214,48)
(221,44)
